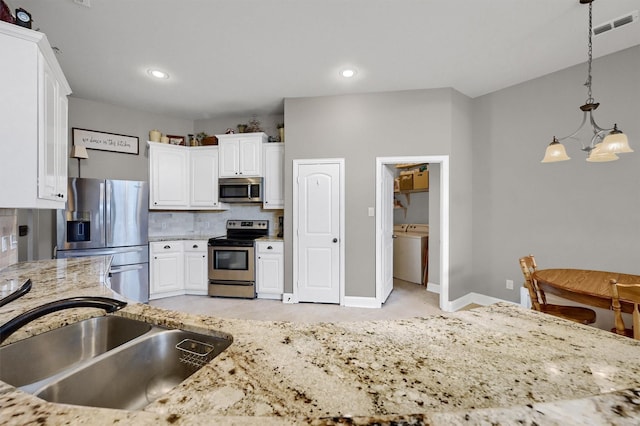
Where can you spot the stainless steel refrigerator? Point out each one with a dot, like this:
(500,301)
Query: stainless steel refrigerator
(109,217)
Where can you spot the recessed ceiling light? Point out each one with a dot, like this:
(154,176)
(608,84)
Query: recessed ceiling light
(348,72)
(158,74)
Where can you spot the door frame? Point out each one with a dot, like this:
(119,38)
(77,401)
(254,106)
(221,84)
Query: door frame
(341,197)
(443,160)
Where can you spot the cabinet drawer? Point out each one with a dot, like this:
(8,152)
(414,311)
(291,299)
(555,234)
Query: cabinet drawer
(272,247)
(195,245)
(166,247)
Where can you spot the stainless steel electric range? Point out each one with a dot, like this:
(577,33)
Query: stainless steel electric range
(232,259)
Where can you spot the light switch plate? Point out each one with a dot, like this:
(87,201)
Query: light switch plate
(5,243)
(372,211)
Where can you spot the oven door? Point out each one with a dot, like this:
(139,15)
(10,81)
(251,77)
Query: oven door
(231,263)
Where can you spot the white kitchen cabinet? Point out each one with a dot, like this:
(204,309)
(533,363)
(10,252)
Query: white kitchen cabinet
(168,176)
(195,267)
(183,178)
(273,168)
(270,269)
(241,154)
(34,131)
(166,265)
(203,172)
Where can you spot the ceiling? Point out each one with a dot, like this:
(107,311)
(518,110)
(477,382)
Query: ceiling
(233,57)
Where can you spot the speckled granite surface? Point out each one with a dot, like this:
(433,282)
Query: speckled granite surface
(494,365)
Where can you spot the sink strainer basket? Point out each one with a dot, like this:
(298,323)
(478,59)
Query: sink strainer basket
(195,354)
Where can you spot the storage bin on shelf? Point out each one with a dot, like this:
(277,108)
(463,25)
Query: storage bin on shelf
(420,179)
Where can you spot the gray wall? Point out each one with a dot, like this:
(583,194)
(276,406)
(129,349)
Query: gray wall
(360,128)
(570,214)
(103,117)
(217,126)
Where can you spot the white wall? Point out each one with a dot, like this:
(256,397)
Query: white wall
(571,214)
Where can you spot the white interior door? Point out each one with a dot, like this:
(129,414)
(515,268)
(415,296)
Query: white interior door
(317,216)
(387,231)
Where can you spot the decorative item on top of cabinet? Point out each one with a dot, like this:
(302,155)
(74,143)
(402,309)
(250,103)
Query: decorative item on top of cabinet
(269,269)
(241,154)
(273,176)
(34,114)
(280,127)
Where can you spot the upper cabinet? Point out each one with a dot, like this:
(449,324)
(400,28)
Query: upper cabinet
(34,131)
(183,178)
(241,154)
(273,176)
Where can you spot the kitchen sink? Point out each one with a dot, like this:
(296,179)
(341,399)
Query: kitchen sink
(46,354)
(137,374)
(115,362)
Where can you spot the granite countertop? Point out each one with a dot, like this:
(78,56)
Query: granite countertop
(494,365)
(203,237)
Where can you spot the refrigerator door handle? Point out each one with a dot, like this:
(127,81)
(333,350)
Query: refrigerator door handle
(120,269)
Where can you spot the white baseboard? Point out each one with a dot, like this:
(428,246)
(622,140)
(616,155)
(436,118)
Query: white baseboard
(361,302)
(288,298)
(477,298)
(433,287)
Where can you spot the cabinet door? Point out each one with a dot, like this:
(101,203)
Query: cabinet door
(229,158)
(168,168)
(250,157)
(269,278)
(167,269)
(61,145)
(273,176)
(195,267)
(269,269)
(204,177)
(48,134)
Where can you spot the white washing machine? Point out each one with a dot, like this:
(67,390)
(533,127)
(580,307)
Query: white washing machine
(410,252)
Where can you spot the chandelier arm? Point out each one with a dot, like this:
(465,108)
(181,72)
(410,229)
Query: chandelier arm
(584,120)
(595,125)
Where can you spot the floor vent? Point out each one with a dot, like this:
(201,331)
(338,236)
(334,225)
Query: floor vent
(613,24)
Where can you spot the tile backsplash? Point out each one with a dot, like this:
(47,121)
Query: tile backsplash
(8,237)
(209,223)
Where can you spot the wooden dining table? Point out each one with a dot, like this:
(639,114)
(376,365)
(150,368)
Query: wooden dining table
(583,286)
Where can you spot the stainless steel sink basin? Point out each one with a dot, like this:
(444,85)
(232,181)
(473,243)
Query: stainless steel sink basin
(137,373)
(108,361)
(46,354)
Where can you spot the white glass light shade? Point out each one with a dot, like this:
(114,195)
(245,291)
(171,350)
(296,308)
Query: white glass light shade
(616,142)
(555,152)
(598,155)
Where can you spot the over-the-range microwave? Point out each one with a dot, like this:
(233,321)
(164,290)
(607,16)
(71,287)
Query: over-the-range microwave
(240,190)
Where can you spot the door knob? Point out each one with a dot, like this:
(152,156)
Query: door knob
(335,240)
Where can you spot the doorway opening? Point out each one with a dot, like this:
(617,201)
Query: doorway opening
(438,231)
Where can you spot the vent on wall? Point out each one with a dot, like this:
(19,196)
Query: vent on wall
(613,24)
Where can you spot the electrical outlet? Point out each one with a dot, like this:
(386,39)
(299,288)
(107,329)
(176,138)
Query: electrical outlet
(509,284)
(206,225)
(164,226)
(372,212)
(5,243)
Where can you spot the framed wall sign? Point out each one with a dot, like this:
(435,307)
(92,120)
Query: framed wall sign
(104,141)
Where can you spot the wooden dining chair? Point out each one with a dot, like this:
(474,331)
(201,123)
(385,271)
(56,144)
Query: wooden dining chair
(539,300)
(629,293)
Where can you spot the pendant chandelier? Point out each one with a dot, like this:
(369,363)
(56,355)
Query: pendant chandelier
(605,143)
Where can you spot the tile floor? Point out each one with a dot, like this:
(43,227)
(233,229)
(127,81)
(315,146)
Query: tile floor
(407,300)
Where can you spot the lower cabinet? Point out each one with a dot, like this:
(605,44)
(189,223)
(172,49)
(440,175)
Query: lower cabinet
(270,269)
(177,267)
(195,267)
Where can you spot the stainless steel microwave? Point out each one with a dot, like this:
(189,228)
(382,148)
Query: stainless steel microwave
(241,190)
